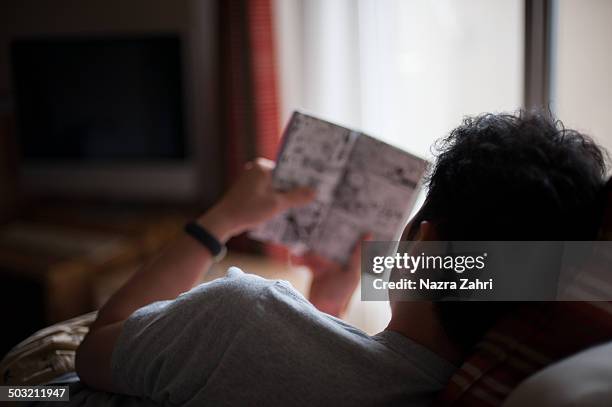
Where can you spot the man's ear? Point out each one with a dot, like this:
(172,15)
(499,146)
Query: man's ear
(427,232)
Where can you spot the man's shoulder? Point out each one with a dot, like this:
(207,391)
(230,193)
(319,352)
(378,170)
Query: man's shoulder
(237,293)
(235,281)
(238,289)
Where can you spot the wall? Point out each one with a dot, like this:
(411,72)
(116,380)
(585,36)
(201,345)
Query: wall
(582,79)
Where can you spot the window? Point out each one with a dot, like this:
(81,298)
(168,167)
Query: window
(581,66)
(403,71)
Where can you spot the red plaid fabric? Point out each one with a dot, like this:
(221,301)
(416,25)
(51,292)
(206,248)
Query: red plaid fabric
(248,89)
(532,338)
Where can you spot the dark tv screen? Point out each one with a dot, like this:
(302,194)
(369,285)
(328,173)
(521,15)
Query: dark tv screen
(101,99)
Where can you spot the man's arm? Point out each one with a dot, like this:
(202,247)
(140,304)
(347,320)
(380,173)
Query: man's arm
(251,201)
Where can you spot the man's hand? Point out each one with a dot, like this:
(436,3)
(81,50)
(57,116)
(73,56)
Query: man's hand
(333,284)
(251,201)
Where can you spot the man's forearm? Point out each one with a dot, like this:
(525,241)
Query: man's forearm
(249,202)
(175,270)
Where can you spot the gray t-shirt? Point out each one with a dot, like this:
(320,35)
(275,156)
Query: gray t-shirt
(244,340)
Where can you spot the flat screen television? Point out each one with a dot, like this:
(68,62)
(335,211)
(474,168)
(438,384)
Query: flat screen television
(102,114)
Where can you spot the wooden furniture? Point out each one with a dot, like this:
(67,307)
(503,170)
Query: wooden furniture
(52,261)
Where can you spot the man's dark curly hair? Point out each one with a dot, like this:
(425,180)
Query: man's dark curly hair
(515,177)
(511,177)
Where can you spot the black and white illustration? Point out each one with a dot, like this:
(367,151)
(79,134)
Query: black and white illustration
(363,185)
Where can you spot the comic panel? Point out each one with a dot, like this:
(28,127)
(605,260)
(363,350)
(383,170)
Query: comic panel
(381,159)
(336,237)
(314,153)
(375,194)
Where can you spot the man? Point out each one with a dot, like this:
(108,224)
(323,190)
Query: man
(244,340)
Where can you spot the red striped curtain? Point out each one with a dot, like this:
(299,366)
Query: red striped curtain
(249,100)
(250,121)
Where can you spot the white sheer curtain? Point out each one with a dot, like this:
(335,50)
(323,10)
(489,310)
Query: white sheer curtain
(403,71)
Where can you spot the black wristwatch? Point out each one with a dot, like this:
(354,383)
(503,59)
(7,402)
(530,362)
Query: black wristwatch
(214,246)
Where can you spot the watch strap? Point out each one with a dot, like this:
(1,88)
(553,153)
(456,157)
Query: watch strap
(207,239)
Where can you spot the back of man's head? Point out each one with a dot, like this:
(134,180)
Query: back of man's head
(515,177)
(511,177)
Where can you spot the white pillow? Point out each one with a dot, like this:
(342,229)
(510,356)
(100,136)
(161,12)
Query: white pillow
(584,379)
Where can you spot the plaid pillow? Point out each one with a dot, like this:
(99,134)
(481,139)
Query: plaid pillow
(533,338)
(537,335)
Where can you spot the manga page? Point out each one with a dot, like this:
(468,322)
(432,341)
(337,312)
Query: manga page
(314,153)
(375,195)
(363,185)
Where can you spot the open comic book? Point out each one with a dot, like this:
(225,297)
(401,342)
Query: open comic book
(363,185)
